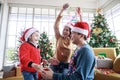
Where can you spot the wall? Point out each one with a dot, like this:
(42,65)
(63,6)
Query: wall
(3,28)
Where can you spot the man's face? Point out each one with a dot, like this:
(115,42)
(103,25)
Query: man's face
(75,37)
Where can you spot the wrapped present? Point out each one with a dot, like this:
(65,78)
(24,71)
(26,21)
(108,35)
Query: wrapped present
(104,63)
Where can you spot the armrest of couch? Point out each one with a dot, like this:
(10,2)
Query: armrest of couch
(18,71)
(110,52)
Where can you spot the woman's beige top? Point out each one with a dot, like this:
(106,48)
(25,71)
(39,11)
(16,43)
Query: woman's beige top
(63,45)
(63,49)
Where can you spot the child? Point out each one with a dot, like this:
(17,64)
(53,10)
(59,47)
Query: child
(29,54)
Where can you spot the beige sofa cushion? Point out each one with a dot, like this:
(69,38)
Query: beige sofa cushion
(116,64)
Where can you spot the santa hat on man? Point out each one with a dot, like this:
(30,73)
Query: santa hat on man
(27,33)
(82,27)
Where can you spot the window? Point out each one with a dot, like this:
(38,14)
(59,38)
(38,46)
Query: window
(0,16)
(43,19)
(113,16)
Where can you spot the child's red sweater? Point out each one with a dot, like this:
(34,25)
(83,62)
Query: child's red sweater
(29,53)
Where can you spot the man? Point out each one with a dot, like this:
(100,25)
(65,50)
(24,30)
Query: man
(82,63)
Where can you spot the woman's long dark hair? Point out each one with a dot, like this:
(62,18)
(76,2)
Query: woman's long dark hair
(70,32)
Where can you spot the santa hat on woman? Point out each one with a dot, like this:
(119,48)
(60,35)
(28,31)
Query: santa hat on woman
(69,24)
(27,33)
(82,27)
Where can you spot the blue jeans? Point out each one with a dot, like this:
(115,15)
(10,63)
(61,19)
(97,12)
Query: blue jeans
(30,75)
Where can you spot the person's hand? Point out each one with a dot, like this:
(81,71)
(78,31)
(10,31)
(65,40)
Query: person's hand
(78,10)
(65,6)
(46,73)
(36,66)
(54,61)
(44,62)
(79,13)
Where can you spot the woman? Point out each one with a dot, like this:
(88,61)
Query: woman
(63,44)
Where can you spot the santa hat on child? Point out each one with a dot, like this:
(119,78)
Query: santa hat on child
(27,33)
(82,27)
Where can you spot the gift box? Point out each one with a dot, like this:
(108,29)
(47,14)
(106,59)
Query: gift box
(104,63)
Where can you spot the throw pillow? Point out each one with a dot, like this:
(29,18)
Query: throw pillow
(116,64)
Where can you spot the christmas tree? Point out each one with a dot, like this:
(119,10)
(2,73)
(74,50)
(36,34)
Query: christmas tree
(101,36)
(45,46)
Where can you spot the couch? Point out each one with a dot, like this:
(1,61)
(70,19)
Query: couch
(108,73)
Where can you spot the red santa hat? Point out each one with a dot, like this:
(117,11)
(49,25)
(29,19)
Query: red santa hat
(69,24)
(27,33)
(82,27)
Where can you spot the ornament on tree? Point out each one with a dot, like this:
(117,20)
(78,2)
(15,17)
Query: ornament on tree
(106,45)
(44,40)
(93,41)
(98,36)
(101,24)
(97,41)
(97,31)
(111,39)
(99,20)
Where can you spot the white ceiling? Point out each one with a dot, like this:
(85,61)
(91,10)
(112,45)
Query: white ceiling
(88,4)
